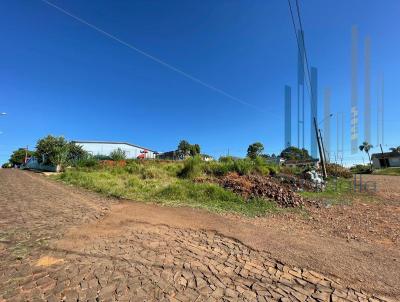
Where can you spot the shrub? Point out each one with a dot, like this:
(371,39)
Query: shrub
(219,168)
(336,170)
(101,157)
(87,162)
(243,166)
(263,167)
(152,172)
(224,159)
(133,167)
(6,165)
(191,168)
(118,154)
(361,169)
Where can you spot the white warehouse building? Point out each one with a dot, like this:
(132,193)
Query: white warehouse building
(105,148)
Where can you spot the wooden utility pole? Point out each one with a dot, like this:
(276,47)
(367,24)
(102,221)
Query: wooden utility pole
(321,155)
(322,145)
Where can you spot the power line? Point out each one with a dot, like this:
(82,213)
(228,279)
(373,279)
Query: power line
(298,45)
(151,57)
(304,45)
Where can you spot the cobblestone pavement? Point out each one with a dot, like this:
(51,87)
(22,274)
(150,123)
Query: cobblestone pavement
(142,262)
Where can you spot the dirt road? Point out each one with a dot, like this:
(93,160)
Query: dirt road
(60,243)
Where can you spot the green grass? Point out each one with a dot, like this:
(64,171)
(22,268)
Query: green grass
(158,182)
(388,171)
(338,191)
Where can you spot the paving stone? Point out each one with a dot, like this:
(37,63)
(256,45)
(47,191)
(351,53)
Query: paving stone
(147,263)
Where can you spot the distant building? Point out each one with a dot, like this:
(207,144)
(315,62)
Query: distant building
(170,155)
(105,148)
(385,160)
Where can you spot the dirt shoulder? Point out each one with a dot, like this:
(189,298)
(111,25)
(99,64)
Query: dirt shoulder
(368,266)
(88,236)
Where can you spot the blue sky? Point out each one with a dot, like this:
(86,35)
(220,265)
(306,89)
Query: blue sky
(61,77)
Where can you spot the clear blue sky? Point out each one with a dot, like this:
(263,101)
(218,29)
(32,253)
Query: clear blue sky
(60,77)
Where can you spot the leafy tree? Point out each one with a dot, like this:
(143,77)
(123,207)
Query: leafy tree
(76,152)
(255,150)
(18,156)
(396,149)
(52,150)
(293,153)
(366,147)
(118,154)
(194,149)
(184,148)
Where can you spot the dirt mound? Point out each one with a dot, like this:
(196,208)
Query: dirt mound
(250,186)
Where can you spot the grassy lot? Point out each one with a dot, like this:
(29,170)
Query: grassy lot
(158,182)
(388,171)
(338,191)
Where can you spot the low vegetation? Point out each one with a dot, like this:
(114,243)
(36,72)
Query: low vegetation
(168,183)
(361,169)
(337,191)
(388,171)
(335,170)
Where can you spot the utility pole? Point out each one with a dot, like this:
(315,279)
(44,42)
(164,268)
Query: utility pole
(384,159)
(321,155)
(322,145)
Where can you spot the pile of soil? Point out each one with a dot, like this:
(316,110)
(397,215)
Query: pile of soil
(250,186)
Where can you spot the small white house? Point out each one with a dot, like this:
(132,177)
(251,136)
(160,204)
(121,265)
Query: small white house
(105,148)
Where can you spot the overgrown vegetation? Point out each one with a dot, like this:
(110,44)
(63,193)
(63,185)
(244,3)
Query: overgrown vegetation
(361,169)
(338,190)
(195,167)
(19,156)
(118,154)
(388,171)
(335,170)
(158,181)
(56,150)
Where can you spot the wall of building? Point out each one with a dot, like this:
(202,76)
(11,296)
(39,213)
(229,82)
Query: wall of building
(394,161)
(105,149)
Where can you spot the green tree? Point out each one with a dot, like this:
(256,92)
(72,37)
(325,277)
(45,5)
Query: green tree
(18,156)
(396,149)
(194,149)
(52,150)
(76,152)
(118,154)
(255,150)
(293,153)
(366,147)
(184,148)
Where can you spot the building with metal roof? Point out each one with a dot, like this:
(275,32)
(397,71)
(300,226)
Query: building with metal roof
(385,160)
(104,148)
